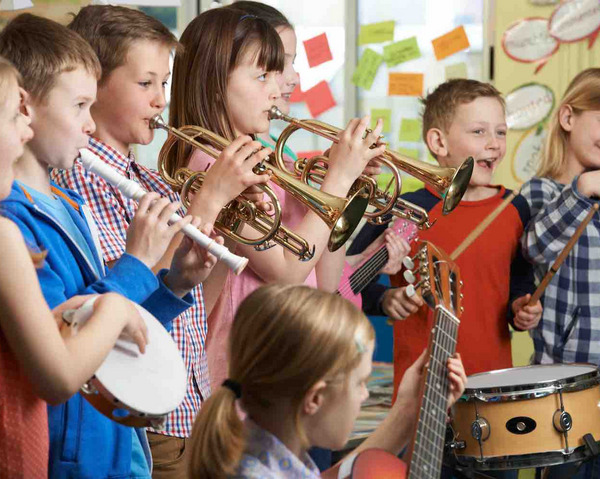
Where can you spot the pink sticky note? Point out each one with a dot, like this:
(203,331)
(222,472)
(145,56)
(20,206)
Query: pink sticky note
(317,50)
(309,154)
(319,99)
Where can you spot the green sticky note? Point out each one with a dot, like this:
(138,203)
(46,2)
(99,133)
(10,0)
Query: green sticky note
(401,51)
(376,32)
(410,152)
(367,69)
(457,70)
(410,130)
(383,180)
(385,114)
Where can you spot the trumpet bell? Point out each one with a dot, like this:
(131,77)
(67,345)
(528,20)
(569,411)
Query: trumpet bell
(458,185)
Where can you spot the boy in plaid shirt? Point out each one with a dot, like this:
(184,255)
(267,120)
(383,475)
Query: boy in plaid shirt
(134,50)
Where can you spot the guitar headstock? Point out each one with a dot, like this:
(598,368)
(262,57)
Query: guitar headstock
(405,229)
(436,277)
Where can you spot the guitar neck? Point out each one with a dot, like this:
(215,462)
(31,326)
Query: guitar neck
(368,270)
(428,448)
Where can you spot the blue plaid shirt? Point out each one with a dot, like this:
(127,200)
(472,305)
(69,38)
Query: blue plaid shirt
(113,212)
(570,327)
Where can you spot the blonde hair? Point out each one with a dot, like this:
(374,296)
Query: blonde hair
(42,49)
(284,339)
(111,30)
(439,107)
(582,94)
(8,74)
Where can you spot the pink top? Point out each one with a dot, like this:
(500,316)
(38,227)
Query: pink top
(24,440)
(236,288)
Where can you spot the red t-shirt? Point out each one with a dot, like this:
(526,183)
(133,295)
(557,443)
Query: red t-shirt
(23,422)
(485,269)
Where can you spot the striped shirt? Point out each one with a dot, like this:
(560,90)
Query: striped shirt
(570,327)
(113,213)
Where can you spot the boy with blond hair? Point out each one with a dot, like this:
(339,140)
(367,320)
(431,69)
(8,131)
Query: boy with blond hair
(60,72)
(464,118)
(133,49)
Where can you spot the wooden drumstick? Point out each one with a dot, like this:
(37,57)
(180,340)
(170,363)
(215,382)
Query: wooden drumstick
(562,256)
(472,236)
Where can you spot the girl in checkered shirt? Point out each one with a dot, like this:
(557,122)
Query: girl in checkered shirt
(560,196)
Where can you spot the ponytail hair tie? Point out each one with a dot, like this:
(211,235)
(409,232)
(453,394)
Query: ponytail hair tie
(234,386)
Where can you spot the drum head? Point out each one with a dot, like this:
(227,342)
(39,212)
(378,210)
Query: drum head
(153,383)
(529,375)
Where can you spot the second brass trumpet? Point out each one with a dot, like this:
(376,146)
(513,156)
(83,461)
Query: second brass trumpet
(342,215)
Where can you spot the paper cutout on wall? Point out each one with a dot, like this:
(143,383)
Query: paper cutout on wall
(410,152)
(297,95)
(410,130)
(575,20)
(385,114)
(529,41)
(366,69)
(457,70)
(336,39)
(317,50)
(528,105)
(450,43)
(402,51)
(376,32)
(407,84)
(15,4)
(319,99)
(527,154)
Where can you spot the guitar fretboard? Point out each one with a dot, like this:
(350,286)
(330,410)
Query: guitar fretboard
(426,461)
(368,270)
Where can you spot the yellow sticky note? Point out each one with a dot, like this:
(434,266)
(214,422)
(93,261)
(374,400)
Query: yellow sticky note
(385,114)
(458,70)
(408,84)
(402,51)
(376,32)
(366,70)
(410,152)
(450,43)
(410,130)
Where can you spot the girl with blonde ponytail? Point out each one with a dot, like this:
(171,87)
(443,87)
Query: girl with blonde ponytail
(299,363)
(561,195)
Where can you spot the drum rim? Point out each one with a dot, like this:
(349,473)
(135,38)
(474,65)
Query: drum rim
(533,390)
(521,461)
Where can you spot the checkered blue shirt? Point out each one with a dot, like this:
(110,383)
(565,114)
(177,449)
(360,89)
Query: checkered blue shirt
(113,213)
(570,327)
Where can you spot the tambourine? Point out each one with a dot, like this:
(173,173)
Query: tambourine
(131,388)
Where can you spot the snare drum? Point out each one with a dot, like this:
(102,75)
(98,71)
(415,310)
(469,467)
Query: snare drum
(527,417)
(132,388)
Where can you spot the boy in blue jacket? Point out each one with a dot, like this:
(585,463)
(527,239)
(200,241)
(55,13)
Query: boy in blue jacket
(60,72)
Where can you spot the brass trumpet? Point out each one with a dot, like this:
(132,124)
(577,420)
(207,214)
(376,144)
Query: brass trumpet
(451,183)
(342,215)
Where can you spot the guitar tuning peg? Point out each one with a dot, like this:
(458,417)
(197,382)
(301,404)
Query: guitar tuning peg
(461,284)
(409,276)
(410,291)
(408,262)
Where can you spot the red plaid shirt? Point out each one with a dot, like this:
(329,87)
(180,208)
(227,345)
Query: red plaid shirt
(113,213)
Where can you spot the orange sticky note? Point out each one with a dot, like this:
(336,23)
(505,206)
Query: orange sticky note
(319,99)
(450,43)
(407,84)
(317,50)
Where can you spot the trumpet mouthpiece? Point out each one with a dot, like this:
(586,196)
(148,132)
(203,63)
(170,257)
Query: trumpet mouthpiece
(275,113)
(156,122)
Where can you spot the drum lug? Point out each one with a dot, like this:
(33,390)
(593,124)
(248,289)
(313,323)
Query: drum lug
(562,421)
(480,429)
